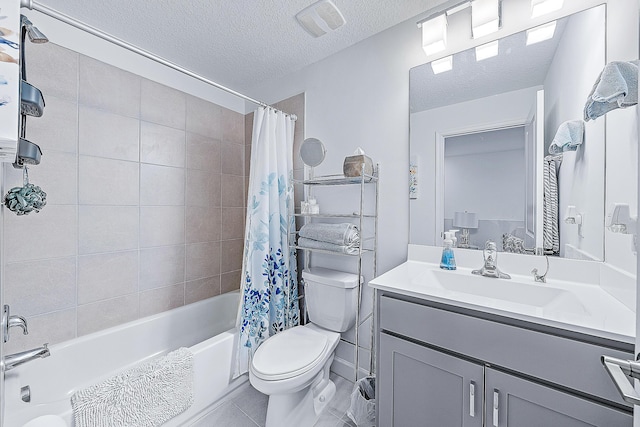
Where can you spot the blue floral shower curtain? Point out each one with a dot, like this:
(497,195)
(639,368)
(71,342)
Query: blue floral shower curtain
(269,294)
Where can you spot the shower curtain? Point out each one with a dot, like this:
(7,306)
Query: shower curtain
(269,293)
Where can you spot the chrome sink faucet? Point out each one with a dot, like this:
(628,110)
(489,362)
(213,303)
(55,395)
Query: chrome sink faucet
(17,359)
(541,278)
(490,268)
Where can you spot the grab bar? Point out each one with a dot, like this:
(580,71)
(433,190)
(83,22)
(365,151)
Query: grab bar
(619,370)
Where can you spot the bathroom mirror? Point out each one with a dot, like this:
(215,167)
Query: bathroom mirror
(479,141)
(312,152)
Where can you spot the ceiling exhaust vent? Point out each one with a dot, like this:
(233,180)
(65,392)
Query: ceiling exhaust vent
(320,18)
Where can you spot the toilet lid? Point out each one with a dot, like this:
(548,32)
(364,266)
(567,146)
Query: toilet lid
(289,353)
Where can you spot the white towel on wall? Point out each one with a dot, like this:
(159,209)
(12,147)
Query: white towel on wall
(569,137)
(616,87)
(146,395)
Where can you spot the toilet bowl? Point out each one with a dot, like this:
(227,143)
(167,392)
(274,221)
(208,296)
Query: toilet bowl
(292,367)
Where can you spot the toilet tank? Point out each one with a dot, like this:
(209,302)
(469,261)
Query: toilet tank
(331,297)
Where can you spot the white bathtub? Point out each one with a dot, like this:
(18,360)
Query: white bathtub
(206,327)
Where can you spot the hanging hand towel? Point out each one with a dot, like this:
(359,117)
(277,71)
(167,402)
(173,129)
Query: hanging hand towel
(616,87)
(147,395)
(337,234)
(569,137)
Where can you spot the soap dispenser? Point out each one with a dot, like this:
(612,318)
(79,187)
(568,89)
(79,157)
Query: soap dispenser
(448,261)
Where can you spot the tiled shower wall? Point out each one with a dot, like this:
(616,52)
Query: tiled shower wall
(145,208)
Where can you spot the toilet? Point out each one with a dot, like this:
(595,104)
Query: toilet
(292,367)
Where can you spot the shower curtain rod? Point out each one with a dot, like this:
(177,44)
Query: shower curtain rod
(33,5)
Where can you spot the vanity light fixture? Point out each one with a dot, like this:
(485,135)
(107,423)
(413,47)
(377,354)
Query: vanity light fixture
(434,34)
(541,33)
(487,50)
(485,17)
(442,65)
(542,7)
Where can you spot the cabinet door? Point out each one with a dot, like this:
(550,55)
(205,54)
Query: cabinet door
(515,402)
(418,386)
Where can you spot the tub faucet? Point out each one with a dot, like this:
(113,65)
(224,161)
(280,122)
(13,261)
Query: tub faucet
(490,268)
(17,359)
(9,321)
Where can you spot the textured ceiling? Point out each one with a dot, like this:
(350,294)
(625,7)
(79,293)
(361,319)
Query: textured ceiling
(517,66)
(236,43)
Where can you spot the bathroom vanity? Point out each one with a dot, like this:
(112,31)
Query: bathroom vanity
(456,349)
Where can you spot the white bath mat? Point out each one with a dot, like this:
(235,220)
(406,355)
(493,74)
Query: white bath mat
(144,396)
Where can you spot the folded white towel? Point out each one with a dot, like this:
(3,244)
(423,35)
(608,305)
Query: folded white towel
(616,87)
(338,234)
(316,244)
(146,395)
(569,137)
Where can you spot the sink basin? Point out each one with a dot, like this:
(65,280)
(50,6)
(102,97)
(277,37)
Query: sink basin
(502,289)
(536,299)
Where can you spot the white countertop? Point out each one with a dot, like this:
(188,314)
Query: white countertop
(580,307)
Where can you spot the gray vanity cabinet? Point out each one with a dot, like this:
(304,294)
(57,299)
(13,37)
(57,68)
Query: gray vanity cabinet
(511,401)
(445,366)
(430,388)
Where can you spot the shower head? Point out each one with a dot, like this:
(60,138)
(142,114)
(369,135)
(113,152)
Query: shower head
(35,35)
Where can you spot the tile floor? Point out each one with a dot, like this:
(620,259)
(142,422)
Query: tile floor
(247,407)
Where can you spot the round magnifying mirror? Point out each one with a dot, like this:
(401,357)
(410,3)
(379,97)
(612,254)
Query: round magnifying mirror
(312,152)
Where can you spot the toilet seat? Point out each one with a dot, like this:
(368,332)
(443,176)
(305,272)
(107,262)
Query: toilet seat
(289,354)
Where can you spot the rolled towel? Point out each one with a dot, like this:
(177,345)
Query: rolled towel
(316,244)
(569,137)
(616,87)
(338,234)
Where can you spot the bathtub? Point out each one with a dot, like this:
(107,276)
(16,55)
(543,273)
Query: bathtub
(206,327)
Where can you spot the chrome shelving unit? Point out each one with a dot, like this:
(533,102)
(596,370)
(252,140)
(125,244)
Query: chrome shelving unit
(370,241)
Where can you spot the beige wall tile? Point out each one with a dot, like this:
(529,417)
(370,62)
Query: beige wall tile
(232,126)
(161,299)
(197,290)
(232,158)
(107,228)
(51,328)
(54,70)
(57,128)
(233,220)
(248,128)
(161,266)
(161,226)
(163,105)
(107,313)
(203,260)
(203,224)
(231,256)
(57,175)
(104,134)
(203,188)
(107,275)
(162,145)
(37,287)
(108,182)
(232,191)
(51,233)
(204,118)
(203,153)
(161,185)
(108,88)
(230,281)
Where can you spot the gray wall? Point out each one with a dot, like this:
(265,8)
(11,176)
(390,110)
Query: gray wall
(146,194)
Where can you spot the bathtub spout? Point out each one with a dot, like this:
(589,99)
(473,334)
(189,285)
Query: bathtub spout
(17,359)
